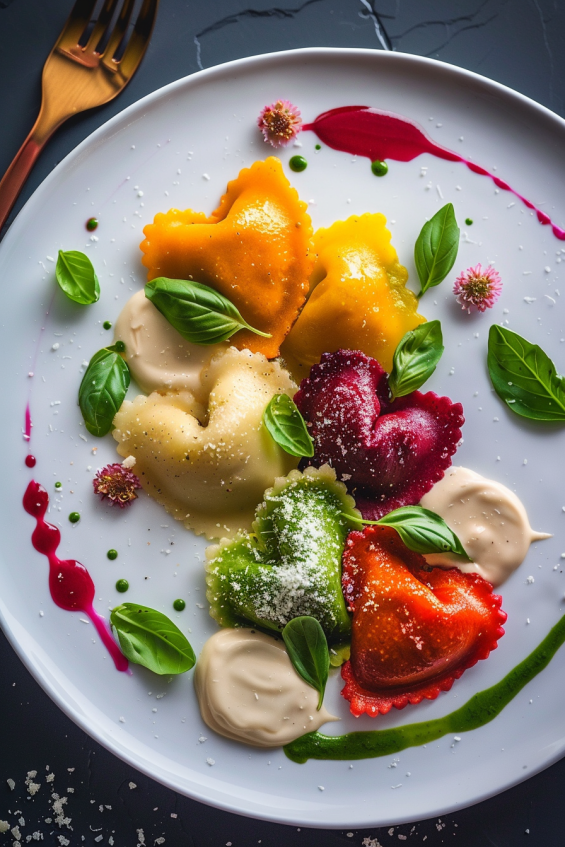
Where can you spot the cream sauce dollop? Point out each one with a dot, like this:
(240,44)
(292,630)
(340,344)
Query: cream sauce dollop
(489,519)
(248,690)
(158,356)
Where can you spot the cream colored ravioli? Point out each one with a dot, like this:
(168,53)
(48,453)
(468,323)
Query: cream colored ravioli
(209,460)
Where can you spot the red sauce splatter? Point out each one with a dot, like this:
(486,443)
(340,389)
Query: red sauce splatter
(30,461)
(362,131)
(70,583)
(28,424)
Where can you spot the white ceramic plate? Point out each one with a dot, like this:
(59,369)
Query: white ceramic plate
(179,147)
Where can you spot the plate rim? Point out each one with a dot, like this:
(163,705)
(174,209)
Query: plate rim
(132,757)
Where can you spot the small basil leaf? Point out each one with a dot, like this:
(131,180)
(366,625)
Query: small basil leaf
(436,248)
(77,278)
(151,639)
(524,376)
(287,427)
(416,358)
(421,530)
(200,314)
(102,390)
(308,651)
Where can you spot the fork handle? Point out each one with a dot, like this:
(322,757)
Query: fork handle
(20,168)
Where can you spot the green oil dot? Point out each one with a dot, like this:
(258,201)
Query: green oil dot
(122,585)
(298,163)
(318,146)
(58,485)
(468,221)
(107,325)
(119,347)
(74,517)
(92,224)
(179,605)
(112,554)
(379,168)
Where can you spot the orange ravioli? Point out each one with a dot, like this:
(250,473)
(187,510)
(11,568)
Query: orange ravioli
(254,249)
(359,299)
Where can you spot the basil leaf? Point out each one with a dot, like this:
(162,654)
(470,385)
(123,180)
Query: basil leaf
(416,358)
(77,278)
(436,248)
(308,651)
(287,427)
(102,390)
(524,376)
(421,530)
(151,639)
(197,312)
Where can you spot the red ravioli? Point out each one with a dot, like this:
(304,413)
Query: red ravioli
(414,630)
(388,454)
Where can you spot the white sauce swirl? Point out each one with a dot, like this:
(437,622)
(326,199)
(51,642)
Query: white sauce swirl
(158,356)
(248,690)
(489,519)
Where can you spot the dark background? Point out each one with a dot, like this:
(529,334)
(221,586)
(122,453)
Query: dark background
(519,43)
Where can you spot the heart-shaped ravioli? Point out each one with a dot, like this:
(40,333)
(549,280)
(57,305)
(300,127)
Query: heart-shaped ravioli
(415,630)
(205,454)
(389,453)
(254,249)
(358,300)
(291,564)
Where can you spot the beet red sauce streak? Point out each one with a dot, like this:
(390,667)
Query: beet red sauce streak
(70,583)
(377,135)
(28,424)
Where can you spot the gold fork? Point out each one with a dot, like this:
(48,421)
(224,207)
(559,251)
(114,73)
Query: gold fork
(77,78)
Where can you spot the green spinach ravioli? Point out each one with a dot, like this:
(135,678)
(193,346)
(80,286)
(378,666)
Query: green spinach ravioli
(290,564)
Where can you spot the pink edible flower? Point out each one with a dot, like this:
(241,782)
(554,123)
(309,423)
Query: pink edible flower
(116,483)
(280,123)
(478,289)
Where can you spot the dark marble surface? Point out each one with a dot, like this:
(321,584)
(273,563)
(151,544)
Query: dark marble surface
(517,42)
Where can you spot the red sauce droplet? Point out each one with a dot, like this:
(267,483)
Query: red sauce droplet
(70,583)
(30,461)
(362,131)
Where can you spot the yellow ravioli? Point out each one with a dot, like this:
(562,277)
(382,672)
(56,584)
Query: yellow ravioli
(358,300)
(206,456)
